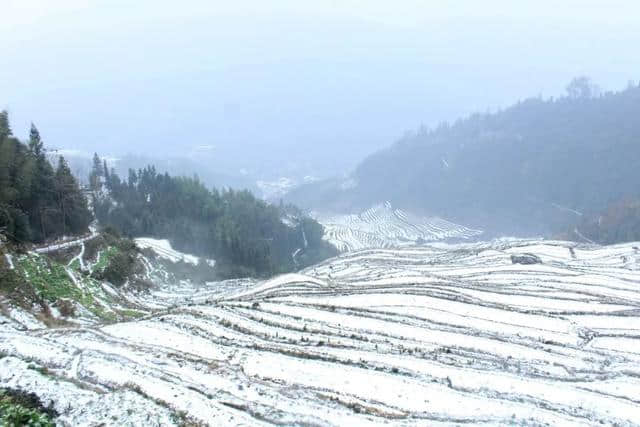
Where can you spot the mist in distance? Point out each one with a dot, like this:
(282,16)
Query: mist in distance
(334,212)
(261,90)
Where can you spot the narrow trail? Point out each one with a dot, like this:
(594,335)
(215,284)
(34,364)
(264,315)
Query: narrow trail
(52,247)
(78,257)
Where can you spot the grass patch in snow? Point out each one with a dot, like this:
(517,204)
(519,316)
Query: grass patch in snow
(49,278)
(18,408)
(118,263)
(105,257)
(75,265)
(17,289)
(52,282)
(129,313)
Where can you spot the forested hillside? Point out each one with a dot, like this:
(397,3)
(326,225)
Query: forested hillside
(37,201)
(620,222)
(245,235)
(535,167)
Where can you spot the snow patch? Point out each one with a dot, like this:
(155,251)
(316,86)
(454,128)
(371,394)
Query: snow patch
(163,249)
(9,261)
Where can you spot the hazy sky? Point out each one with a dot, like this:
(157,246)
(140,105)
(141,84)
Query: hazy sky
(259,79)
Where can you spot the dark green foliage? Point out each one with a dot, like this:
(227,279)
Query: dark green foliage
(119,268)
(16,288)
(5,128)
(19,408)
(97,172)
(92,247)
(72,203)
(245,235)
(121,264)
(36,201)
(521,170)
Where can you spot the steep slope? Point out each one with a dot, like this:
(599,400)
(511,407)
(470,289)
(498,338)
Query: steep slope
(533,168)
(71,282)
(414,336)
(245,235)
(383,226)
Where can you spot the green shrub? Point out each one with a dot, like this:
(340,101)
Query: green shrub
(19,408)
(92,246)
(120,261)
(119,268)
(15,287)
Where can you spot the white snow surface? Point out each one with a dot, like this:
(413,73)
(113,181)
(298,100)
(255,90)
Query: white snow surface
(163,249)
(383,226)
(65,243)
(446,334)
(276,188)
(9,259)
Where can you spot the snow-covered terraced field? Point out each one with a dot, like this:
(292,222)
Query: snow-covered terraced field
(442,334)
(382,226)
(163,249)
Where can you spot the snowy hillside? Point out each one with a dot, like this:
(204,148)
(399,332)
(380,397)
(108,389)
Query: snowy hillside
(163,249)
(411,336)
(62,283)
(383,226)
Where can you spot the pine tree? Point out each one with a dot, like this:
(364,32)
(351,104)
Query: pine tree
(72,204)
(35,142)
(40,206)
(61,185)
(5,129)
(97,172)
(105,170)
(37,203)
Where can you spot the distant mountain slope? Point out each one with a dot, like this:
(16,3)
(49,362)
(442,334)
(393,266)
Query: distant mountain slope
(532,168)
(383,226)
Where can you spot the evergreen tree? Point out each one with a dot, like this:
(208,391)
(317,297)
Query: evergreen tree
(43,215)
(105,170)
(35,142)
(97,172)
(71,201)
(5,129)
(35,202)
(245,235)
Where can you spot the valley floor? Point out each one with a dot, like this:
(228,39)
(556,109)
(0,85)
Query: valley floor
(421,335)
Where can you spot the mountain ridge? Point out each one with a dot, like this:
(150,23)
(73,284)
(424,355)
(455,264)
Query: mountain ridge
(528,170)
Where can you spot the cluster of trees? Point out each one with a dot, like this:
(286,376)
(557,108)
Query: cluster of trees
(245,235)
(532,168)
(37,201)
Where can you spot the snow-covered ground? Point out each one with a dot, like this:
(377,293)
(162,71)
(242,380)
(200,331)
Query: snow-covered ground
(163,249)
(65,243)
(277,188)
(442,334)
(383,226)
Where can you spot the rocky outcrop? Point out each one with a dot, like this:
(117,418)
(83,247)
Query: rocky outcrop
(526,259)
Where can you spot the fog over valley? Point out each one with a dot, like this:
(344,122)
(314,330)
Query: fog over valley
(280,88)
(335,213)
